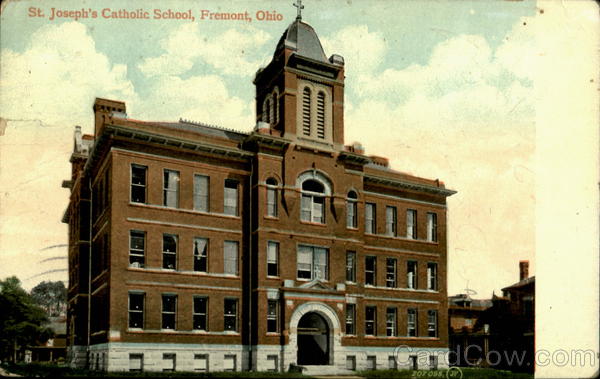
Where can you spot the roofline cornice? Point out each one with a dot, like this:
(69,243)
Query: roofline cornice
(409,185)
(111,130)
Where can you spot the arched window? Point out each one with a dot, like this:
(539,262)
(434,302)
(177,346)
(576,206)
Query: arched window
(313,201)
(306,111)
(266,110)
(271,197)
(272,109)
(274,116)
(352,210)
(276,105)
(321,115)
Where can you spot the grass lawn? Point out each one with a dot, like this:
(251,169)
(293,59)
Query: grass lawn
(58,371)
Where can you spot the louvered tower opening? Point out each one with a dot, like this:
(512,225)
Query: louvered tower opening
(321,115)
(306,112)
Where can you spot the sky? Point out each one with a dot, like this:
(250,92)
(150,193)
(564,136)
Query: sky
(450,84)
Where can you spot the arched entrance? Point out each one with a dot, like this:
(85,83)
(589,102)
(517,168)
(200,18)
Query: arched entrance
(313,340)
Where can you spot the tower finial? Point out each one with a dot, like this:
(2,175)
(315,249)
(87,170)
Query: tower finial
(298,4)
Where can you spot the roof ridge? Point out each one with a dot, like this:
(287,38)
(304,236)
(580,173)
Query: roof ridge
(197,123)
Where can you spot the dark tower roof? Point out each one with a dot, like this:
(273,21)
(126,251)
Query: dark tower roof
(302,37)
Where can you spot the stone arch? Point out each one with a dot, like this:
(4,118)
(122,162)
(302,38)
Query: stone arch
(318,176)
(331,318)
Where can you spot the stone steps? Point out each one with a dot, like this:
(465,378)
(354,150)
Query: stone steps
(325,370)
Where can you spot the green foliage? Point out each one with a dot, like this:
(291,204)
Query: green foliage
(52,296)
(21,320)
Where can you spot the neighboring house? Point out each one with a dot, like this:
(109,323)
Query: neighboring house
(467,335)
(501,329)
(208,249)
(55,348)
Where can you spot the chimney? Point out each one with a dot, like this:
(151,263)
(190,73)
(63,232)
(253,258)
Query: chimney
(523,270)
(103,110)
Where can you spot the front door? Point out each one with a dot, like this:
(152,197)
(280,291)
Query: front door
(313,340)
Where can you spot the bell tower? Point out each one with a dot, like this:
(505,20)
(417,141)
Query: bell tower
(300,93)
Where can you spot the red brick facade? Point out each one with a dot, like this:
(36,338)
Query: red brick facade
(137,216)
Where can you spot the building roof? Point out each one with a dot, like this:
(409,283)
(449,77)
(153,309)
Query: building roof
(522,283)
(302,37)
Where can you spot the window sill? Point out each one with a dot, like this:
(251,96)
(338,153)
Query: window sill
(406,239)
(313,223)
(193,273)
(273,277)
(272,334)
(354,229)
(272,218)
(191,211)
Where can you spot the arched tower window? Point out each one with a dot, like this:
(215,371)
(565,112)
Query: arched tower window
(267,110)
(313,201)
(276,107)
(271,197)
(321,115)
(271,109)
(352,210)
(306,111)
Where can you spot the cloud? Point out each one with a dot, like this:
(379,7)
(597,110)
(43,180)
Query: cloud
(200,98)
(362,49)
(57,77)
(226,52)
(467,117)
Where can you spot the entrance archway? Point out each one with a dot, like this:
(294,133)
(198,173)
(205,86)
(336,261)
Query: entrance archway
(313,340)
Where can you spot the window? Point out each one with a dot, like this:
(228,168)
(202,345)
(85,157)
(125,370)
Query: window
(390,322)
(274,359)
(370,270)
(230,206)
(432,276)
(390,274)
(169,311)
(432,323)
(171,188)
(371,362)
(370,321)
(370,215)
(390,221)
(351,266)
(272,258)
(350,319)
(230,315)
(313,202)
(271,197)
(276,105)
(136,310)
(312,263)
(272,313)
(200,312)
(168,362)
(411,274)
(230,252)
(412,322)
(138,183)
(306,111)
(137,244)
(229,363)
(431,227)
(352,210)
(201,362)
(392,364)
(170,251)
(136,362)
(200,254)
(321,115)
(201,193)
(411,224)
(351,362)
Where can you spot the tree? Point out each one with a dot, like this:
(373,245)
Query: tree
(52,296)
(22,322)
